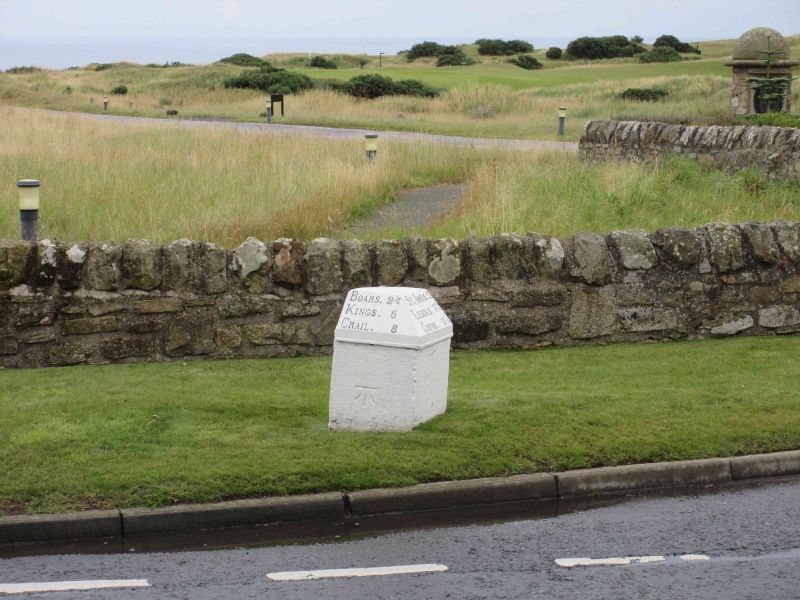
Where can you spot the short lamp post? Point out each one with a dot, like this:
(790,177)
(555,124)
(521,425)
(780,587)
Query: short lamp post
(371,146)
(562,116)
(269,110)
(380,59)
(105,102)
(29,209)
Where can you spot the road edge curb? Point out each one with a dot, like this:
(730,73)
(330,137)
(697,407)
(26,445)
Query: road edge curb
(423,497)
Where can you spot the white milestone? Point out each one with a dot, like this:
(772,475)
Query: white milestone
(391,356)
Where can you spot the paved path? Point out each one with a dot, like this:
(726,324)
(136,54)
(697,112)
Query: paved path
(333,132)
(741,543)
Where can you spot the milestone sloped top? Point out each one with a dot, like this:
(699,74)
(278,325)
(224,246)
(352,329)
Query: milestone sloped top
(760,38)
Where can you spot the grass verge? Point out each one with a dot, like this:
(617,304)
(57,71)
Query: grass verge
(129,435)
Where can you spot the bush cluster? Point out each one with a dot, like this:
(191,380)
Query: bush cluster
(271,80)
(103,66)
(424,50)
(526,61)
(603,47)
(453,56)
(321,62)
(375,86)
(119,90)
(553,53)
(652,94)
(502,48)
(168,65)
(670,41)
(243,59)
(21,70)
(660,54)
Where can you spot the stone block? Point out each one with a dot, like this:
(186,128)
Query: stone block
(126,347)
(141,264)
(39,335)
(540,292)
(635,249)
(90,325)
(469,326)
(70,267)
(680,246)
(391,262)
(724,247)
(763,295)
(478,257)
(788,237)
(762,241)
(509,257)
(531,322)
(102,268)
(288,265)
(46,262)
(356,264)
(277,333)
(790,284)
(733,327)
(445,268)
(16,261)
(162,304)
(591,260)
(548,254)
(191,333)
(417,253)
(779,315)
(243,305)
(593,313)
(297,308)
(323,266)
(142,323)
(8,345)
(648,318)
(69,353)
(229,337)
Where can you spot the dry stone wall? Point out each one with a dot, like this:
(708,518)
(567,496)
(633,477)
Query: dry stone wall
(774,150)
(71,303)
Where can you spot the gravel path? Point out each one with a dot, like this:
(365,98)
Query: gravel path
(333,132)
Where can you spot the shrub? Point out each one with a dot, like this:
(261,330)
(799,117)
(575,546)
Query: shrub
(670,41)
(553,53)
(272,81)
(453,56)
(167,65)
(243,59)
(375,86)
(424,50)
(526,62)
(321,62)
(660,54)
(603,47)
(653,94)
(103,66)
(21,70)
(488,47)
(119,90)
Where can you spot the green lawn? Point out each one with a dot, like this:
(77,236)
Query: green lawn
(128,435)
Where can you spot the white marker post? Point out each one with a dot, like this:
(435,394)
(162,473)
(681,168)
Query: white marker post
(391,356)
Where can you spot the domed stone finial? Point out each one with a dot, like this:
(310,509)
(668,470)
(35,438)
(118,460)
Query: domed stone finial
(759,53)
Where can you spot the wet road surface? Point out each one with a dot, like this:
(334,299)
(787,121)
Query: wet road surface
(331,132)
(744,542)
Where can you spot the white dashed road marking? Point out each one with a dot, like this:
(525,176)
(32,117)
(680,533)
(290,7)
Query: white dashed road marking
(364,572)
(619,561)
(71,586)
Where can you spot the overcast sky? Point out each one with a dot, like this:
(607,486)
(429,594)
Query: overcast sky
(690,19)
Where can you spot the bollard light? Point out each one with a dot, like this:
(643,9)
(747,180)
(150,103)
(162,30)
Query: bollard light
(29,209)
(371,146)
(562,116)
(269,110)
(105,102)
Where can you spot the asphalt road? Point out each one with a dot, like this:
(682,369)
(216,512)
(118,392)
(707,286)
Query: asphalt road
(332,132)
(749,539)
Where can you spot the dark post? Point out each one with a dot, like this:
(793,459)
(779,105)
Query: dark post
(562,116)
(269,111)
(371,145)
(380,60)
(29,209)
(105,102)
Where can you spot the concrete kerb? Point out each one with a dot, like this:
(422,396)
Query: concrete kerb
(432,496)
